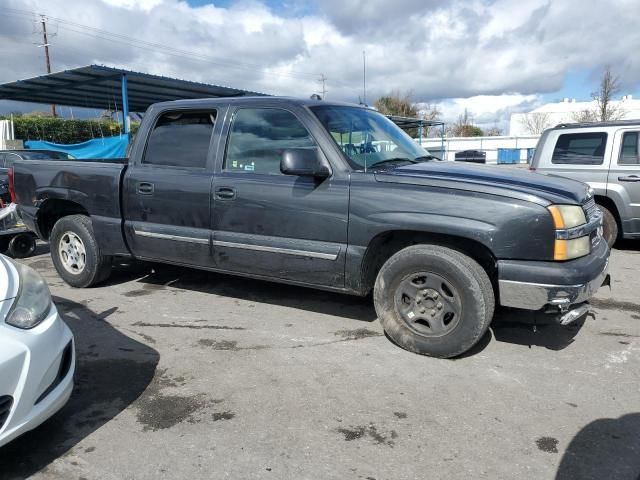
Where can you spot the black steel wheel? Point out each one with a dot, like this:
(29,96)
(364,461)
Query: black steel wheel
(434,300)
(428,303)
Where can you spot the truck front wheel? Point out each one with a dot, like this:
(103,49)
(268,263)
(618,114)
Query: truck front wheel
(434,300)
(76,254)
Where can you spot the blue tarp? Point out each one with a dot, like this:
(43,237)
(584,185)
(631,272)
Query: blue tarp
(107,147)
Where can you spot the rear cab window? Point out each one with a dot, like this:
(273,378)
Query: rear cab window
(587,148)
(180,139)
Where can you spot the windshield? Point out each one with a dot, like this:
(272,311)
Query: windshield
(368,138)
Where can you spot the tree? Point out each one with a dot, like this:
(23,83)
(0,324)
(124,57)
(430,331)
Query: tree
(396,103)
(402,105)
(429,112)
(535,123)
(604,110)
(494,131)
(584,116)
(464,127)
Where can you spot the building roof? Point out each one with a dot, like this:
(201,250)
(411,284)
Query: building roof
(98,86)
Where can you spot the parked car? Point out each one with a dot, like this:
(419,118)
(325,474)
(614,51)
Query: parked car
(473,156)
(36,352)
(605,156)
(268,188)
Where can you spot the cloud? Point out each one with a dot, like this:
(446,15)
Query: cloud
(490,53)
(487,110)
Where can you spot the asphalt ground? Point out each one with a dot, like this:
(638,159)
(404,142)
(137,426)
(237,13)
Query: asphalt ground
(188,374)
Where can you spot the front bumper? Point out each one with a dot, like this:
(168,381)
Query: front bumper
(538,285)
(36,373)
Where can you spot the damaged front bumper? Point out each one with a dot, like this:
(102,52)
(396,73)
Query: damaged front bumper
(559,288)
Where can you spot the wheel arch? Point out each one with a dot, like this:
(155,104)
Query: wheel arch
(53,210)
(386,244)
(610,205)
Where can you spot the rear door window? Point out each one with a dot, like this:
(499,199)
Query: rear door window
(180,139)
(580,148)
(629,154)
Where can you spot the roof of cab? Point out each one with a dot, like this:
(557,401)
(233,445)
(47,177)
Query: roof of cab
(309,102)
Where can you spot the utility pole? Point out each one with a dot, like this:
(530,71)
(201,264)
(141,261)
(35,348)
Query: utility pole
(46,54)
(323,80)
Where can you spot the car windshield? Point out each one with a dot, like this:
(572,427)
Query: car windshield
(369,139)
(41,155)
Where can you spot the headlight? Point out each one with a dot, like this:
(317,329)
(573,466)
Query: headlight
(33,302)
(567,216)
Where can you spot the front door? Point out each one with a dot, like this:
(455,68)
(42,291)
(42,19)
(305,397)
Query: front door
(167,192)
(274,225)
(624,177)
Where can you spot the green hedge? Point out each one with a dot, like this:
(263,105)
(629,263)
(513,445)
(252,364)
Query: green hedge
(59,130)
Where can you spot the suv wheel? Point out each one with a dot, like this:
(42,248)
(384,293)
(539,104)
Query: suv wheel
(434,300)
(75,252)
(609,226)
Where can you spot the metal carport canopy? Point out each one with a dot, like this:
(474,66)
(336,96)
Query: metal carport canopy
(98,86)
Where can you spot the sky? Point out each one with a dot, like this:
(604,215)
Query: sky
(492,57)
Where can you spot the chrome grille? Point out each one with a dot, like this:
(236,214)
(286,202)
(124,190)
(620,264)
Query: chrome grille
(591,209)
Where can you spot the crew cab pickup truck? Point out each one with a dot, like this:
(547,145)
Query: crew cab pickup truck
(325,195)
(606,156)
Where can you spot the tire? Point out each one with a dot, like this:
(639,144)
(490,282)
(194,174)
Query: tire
(22,245)
(609,226)
(462,287)
(71,236)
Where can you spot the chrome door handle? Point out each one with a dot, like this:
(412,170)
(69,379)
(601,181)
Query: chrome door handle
(629,178)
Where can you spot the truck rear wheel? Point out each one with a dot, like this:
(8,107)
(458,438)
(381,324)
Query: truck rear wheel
(434,300)
(76,254)
(609,226)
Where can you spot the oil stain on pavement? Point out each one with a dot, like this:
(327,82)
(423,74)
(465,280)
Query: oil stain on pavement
(158,410)
(547,444)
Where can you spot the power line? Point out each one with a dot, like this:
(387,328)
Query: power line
(165,49)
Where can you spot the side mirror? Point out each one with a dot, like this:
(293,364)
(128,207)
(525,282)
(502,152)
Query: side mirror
(306,162)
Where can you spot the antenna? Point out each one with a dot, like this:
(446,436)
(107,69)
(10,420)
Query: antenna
(323,80)
(364,77)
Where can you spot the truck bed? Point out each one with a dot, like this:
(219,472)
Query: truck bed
(44,185)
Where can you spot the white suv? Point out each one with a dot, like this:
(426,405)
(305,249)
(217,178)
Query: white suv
(607,157)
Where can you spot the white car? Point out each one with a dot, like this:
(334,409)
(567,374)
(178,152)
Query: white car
(37,358)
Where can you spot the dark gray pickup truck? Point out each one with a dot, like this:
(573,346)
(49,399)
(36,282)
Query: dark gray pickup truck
(325,195)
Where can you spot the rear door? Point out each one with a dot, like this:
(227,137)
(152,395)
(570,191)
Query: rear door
(167,189)
(274,225)
(624,177)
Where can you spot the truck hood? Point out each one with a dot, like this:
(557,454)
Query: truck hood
(506,181)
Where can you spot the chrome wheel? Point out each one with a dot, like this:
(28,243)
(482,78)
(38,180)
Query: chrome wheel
(428,304)
(72,253)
